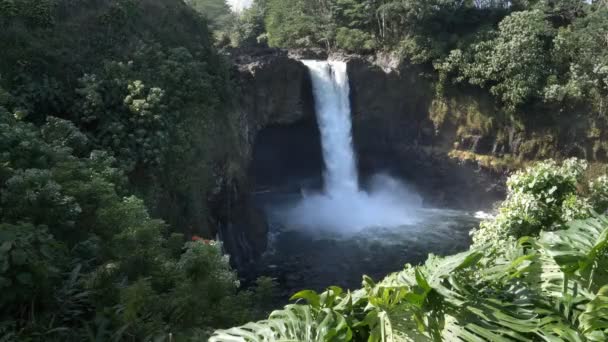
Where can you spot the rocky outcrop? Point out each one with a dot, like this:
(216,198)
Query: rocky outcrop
(452,149)
(393,133)
(274,90)
(242,226)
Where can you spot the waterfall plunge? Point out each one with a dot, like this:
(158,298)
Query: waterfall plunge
(331,90)
(343,207)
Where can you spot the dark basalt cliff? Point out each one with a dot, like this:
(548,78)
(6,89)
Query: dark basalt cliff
(454,149)
(274,90)
(393,132)
(275,97)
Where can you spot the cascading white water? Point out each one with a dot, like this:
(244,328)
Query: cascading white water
(331,90)
(343,207)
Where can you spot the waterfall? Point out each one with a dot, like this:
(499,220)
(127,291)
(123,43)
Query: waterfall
(343,207)
(331,93)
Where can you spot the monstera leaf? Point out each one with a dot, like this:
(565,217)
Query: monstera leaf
(468,297)
(594,320)
(581,250)
(296,323)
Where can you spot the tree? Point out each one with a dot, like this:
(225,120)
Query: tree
(73,247)
(580,54)
(129,113)
(217,12)
(248,29)
(512,64)
(297,24)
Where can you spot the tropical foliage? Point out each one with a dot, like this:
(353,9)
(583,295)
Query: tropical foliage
(79,256)
(157,98)
(216,12)
(550,285)
(117,131)
(109,123)
(543,197)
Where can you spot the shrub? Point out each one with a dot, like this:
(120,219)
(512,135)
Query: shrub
(354,40)
(599,193)
(543,196)
(77,254)
(552,287)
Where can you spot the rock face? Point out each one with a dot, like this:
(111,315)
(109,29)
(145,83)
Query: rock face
(274,90)
(450,148)
(393,133)
(275,95)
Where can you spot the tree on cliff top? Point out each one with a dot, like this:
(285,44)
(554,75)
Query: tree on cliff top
(217,12)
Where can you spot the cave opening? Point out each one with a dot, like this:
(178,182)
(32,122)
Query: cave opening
(287,158)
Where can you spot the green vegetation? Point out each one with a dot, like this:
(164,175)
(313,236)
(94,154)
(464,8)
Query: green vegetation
(117,129)
(158,98)
(248,27)
(113,114)
(216,12)
(81,258)
(536,272)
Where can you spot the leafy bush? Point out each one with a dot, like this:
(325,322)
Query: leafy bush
(599,193)
(543,196)
(77,253)
(511,61)
(354,40)
(580,50)
(30,259)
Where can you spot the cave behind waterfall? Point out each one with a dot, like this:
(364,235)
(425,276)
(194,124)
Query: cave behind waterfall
(287,157)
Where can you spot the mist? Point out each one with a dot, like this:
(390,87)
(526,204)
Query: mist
(387,202)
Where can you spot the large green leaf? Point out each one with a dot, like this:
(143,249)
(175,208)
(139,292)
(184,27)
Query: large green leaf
(300,323)
(594,320)
(581,250)
(452,302)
